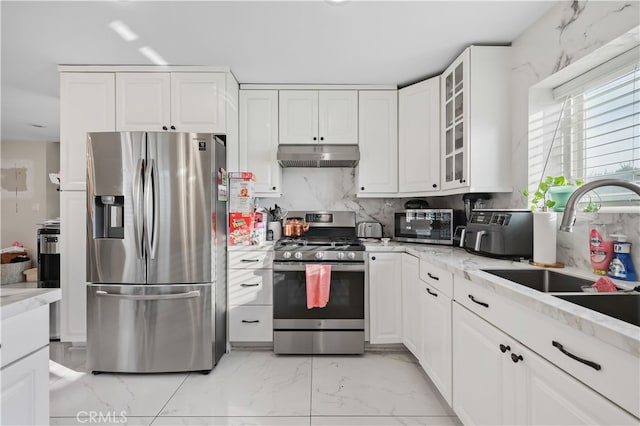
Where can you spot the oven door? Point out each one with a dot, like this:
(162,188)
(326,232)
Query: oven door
(345,309)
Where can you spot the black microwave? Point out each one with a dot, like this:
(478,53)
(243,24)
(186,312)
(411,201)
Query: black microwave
(431,226)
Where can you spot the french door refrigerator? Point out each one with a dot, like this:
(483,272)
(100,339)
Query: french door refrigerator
(156,251)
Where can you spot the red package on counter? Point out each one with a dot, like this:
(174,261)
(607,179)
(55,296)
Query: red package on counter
(604,285)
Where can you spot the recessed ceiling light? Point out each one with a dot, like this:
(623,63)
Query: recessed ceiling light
(123,30)
(153,56)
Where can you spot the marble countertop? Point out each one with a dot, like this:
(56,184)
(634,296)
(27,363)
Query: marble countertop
(16,300)
(459,262)
(266,246)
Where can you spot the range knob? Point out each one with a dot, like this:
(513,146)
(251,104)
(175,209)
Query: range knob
(297,255)
(340,256)
(286,254)
(319,255)
(351,255)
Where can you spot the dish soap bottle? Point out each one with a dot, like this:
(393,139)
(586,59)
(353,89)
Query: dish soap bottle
(601,250)
(621,266)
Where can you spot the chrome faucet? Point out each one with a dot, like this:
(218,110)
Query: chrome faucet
(569,216)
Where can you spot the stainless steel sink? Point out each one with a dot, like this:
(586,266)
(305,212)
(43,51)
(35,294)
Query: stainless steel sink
(625,307)
(542,279)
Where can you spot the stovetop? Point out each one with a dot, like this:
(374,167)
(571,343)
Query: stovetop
(319,243)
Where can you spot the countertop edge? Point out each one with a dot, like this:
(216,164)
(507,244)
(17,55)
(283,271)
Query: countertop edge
(617,333)
(27,299)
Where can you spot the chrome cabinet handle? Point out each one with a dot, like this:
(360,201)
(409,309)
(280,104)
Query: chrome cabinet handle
(188,295)
(591,364)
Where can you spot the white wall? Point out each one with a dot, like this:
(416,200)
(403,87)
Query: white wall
(566,34)
(34,202)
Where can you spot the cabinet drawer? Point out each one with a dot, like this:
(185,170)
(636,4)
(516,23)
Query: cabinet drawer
(250,324)
(618,373)
(250,259)
(250,287)
(24,333)
(437,277)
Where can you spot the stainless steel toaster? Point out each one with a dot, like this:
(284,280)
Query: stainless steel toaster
(369,230)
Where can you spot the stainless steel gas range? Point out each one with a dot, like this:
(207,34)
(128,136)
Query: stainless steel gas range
(337,328)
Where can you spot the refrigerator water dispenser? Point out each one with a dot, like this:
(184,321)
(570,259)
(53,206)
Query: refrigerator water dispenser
(109,221)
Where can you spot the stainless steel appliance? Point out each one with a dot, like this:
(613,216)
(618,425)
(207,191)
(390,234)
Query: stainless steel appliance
(156,252)
(500,233)
(49,270)
(318,155)
(369,230)
(337,328)
(432,226)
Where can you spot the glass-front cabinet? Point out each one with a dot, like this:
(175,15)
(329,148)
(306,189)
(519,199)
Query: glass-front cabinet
(455,148)
(475,124)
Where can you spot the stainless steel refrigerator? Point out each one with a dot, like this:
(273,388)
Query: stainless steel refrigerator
(156,251)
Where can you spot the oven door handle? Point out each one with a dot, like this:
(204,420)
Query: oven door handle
(338,267)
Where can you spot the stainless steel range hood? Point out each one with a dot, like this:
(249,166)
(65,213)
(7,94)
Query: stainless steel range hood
(318,155)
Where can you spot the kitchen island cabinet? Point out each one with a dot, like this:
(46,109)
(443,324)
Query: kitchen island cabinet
(24,354)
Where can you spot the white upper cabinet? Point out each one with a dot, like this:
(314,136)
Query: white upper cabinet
(378,142)
(259,140)
(312,116)
(87,104)
(143,101)
(188,102)
(476,121)
(198,102)
(419,138)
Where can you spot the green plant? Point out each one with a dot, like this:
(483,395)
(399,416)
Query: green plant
(539,198)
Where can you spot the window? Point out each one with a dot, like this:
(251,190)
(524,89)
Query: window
(591,130)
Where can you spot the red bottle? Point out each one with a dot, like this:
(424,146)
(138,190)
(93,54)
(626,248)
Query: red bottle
(601,249)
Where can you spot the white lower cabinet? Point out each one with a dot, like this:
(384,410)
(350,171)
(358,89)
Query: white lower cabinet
(498,381)
(250,286)
(25,390)
(412,324)
(73,275)
(385,297)
(435,352)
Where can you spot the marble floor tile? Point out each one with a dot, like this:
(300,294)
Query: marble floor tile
(134,394)
(65,358)
(247,383)
(374,384)
(115,419)
(384,421)
(231,421)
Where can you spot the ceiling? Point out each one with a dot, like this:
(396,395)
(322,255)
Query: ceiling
(352,42)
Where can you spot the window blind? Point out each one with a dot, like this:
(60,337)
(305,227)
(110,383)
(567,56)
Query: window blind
(597,133)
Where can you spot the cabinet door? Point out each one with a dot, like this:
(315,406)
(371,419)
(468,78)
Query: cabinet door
(385,297)
(411,322)
(435,321)
(259,139)
(338,116)
(87,104)
(419,137)
(25,390)
(298,116)
(547,395)
(143,101)
(73,245)
(455,123)
(198,102)
(478,382)
(378,142)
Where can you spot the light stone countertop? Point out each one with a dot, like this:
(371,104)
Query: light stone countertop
(264,247)
(15,301)
(459,262)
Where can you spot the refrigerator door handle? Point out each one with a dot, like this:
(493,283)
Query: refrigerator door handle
(150,209)
(138,214)
(188,295)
